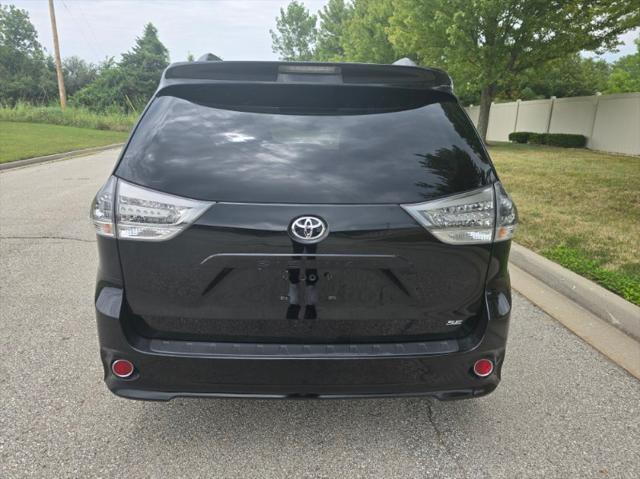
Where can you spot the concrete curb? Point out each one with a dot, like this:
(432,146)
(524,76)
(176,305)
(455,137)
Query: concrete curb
(619,347)
(600,302)
(58,156)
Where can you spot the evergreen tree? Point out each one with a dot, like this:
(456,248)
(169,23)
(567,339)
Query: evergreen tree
(129,84)
(144,65)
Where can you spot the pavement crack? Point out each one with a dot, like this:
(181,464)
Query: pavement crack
(63,238)
(440,437)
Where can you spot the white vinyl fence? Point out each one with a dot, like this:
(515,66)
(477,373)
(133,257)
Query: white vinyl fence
(610,122)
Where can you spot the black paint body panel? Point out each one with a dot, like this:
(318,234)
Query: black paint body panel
(234,307)
(237,276)
(254,370)
(179,368)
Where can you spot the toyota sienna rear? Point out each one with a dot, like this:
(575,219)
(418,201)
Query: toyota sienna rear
(303,230)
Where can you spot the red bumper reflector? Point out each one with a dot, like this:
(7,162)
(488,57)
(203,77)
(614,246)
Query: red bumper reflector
(483,367)
(122,368)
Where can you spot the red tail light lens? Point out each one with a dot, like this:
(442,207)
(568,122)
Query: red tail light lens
(483,367)
(122,368)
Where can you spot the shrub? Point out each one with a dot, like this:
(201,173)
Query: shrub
(566,140)
(520,136)
(538,138)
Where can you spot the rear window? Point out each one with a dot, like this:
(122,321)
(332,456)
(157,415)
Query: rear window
(304,144)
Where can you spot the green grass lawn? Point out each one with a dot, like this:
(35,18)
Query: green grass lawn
(579,208)
(26,140)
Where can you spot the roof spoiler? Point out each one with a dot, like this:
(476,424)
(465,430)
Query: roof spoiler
(364,74)
(209,57)
(407,62)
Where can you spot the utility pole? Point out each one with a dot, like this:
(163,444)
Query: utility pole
(56,47)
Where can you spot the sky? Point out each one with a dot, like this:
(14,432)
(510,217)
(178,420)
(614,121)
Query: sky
(233,30)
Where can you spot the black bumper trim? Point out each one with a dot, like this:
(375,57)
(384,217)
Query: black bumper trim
(290,351)
(445,395)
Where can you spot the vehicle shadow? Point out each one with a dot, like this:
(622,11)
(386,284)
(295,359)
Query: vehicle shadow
(245,419)
(395,437)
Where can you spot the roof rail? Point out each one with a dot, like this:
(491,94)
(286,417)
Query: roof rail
(363,74)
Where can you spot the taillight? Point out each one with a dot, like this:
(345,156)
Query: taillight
(102,209)
(127,211)
(506,215)
(469,218)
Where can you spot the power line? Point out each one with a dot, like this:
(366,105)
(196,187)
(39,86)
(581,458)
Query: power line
(91,44)
(92,30)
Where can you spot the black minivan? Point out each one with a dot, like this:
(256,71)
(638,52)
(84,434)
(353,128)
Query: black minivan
(296,230)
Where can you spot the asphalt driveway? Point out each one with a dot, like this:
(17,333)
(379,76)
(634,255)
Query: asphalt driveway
(562,410)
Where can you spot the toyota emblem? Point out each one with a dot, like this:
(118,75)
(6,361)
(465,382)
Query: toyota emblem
(308,229)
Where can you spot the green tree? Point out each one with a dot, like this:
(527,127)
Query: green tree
(562,77)
(365,38)
(625,76)
(106,92)
(77,73)
(144,64)
(296,33)
(334,18)
(491,42)
(129,84)
(23,64)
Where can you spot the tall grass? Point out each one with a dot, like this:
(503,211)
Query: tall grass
(71,116)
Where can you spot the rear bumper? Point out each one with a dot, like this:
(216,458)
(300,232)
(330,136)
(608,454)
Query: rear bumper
(443,378)
(169,369)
